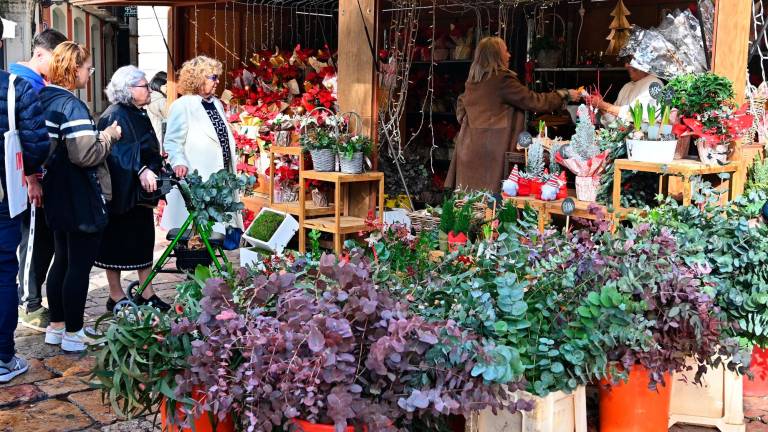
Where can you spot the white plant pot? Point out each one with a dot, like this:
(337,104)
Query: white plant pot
(651,151)
(249,257)
(653,133)
(281,236)
(666,130)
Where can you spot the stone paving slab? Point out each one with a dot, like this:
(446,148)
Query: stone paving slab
(90,402)
(47,416)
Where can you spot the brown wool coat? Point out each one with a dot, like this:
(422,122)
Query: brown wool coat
(492,115)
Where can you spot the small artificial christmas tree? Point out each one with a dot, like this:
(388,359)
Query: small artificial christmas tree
(535,164)
(554,167)
(619,29)
(583,143)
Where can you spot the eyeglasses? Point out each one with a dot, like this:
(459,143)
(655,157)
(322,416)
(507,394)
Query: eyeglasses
(146,86)
(213,77)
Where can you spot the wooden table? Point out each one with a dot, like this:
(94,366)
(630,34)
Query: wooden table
(546,209)
(353,199)
(683,168)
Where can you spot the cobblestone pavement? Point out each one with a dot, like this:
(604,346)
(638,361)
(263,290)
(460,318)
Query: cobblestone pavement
(54,396)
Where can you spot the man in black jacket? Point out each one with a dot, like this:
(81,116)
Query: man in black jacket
(34,141)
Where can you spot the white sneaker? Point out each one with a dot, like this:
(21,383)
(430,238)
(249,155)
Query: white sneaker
(75,342)
(53,336)
(15,367)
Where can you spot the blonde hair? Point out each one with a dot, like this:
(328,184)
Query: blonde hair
(488,59)
(194,72)
(67,57)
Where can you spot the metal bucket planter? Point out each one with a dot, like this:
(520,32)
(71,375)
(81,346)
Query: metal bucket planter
(352,166)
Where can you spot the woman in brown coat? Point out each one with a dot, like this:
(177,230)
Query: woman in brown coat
(492,114)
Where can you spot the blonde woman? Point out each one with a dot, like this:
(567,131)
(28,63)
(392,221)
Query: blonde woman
(491,112)
(76,186)
(197,136)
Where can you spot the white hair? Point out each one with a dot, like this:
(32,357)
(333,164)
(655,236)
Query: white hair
(119,87)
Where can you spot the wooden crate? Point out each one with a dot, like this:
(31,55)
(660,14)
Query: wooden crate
(558,412)
(717,402)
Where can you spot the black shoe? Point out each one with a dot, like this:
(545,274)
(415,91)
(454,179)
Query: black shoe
(155,302)
(111,304)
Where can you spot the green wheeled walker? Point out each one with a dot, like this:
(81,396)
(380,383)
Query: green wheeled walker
(187,259)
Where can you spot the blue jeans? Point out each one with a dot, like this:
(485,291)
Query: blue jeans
(10,236)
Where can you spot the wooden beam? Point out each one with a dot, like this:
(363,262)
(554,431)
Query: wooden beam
(356,68)
(733,19)
(173,48)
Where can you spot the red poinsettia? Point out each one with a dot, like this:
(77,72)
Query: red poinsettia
(716,126)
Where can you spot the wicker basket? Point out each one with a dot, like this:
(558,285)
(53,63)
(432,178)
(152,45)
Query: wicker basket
(352,166)
(422,220)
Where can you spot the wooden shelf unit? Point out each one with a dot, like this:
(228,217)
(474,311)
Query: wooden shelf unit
(683,168)
(353,199)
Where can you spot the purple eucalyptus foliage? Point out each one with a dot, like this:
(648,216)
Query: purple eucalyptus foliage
(331,348)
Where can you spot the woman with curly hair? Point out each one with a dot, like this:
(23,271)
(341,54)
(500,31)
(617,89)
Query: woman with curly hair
(197,136)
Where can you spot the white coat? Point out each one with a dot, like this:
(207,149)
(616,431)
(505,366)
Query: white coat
(191,140)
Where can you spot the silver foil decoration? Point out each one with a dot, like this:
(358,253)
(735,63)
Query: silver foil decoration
(672,49)
(707,12)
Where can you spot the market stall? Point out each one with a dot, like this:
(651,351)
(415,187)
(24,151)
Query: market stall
(490,311)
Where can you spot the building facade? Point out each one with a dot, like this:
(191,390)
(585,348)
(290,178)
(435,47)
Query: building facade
(106,32)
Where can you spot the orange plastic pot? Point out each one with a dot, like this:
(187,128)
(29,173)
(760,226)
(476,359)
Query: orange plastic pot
(202,423)
(632,406)
(759,367)
(305,426)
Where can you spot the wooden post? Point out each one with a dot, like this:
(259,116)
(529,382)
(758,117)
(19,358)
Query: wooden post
(356,68)
(733,20)
(174,37)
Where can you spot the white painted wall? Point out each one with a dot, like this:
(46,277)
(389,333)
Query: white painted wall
(151,48)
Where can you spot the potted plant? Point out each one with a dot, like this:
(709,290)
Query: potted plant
(706,110)
(271,230)
(458,234)
(645,145)
(447,222)
(335,356)
(352,153)
(138,356)
(321,145)
(584,157)
(666,126)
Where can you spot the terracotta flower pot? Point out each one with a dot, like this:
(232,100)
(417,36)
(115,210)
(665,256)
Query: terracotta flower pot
(759,367)
(203,423)
(305,426)
(632,406)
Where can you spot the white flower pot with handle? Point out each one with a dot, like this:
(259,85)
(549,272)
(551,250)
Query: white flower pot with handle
(651,151)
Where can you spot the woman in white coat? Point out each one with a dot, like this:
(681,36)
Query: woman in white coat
(197,135)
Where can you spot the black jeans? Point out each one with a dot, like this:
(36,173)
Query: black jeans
(42,254)
(68,278)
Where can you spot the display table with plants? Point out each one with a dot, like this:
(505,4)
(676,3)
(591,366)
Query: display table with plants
(688,170)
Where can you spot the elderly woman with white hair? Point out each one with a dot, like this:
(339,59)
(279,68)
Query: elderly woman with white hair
(134,162)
